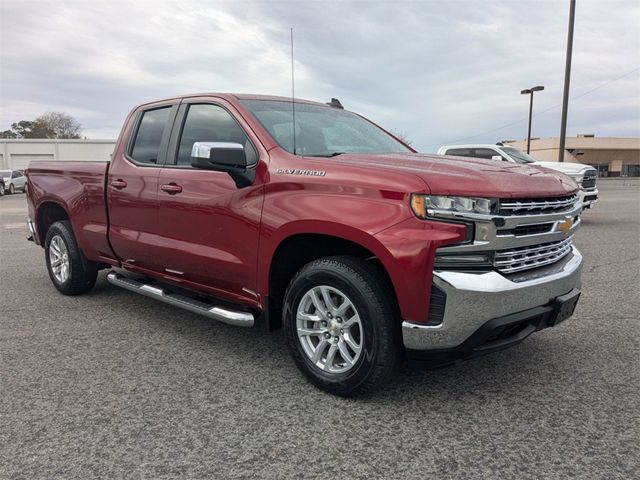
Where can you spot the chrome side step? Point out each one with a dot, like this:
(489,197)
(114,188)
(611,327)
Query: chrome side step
(231,317)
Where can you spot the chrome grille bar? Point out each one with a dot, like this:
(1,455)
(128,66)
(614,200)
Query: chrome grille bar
(525,258)
(536,205)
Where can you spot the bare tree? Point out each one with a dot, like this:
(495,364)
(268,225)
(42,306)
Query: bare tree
(402,137)
(55,125)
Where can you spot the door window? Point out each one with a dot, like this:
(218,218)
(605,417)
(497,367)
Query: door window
(486,153)
(460,152)
(211,123)
(146,146)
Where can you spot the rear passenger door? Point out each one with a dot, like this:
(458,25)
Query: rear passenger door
(208,227)
(132,187)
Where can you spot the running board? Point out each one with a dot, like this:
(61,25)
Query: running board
(231,317)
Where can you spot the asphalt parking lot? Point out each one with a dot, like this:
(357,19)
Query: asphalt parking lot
(115,385)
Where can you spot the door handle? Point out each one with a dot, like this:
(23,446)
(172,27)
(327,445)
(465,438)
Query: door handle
(119,184)
(171,188)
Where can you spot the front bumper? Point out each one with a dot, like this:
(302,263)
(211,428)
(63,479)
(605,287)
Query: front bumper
(588,198)
(474,299)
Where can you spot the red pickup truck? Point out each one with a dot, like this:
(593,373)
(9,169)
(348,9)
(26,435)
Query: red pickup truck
(363,250)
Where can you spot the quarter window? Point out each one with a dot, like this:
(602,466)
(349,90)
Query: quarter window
(146,145)
(460,152)
(211,123)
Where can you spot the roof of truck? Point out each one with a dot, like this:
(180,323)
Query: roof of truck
(234,97)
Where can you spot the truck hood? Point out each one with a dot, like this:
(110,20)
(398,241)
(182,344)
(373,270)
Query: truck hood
(447,175)
(565,167)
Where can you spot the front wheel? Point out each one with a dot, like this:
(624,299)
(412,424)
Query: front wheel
(12,189)
(70,272)
(342,325)
(1,189)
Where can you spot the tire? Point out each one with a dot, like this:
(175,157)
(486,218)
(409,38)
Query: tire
(2,192)
(80,274)
(12,189)
(377,334)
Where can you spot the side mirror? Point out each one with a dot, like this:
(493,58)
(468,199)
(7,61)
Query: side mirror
(497,157)
(223,157)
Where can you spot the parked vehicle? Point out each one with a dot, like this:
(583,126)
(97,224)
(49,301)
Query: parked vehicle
(584,175)
(13,180)
(362,249)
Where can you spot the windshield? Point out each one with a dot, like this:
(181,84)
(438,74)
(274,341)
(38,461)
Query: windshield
(321,131)
(518,155)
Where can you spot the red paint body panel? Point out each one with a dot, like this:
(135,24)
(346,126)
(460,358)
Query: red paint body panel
(77,187)
(216,238)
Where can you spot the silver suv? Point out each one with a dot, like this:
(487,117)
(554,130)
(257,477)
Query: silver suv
(12,181)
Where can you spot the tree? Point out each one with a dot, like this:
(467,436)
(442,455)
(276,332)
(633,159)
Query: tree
(402,137)
(48,125)
(56,125)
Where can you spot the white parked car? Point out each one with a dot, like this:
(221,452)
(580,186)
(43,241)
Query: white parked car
(584,175)
(13,180)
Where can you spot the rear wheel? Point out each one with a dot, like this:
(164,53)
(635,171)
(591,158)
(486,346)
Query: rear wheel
(70,272)
(342,326)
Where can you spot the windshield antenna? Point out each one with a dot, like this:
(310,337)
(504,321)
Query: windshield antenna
(293,97)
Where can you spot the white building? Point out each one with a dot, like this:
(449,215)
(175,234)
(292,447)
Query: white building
(16,154)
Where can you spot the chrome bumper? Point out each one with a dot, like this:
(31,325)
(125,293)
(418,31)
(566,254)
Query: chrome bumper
(32,237)
(475,298)
(584,194)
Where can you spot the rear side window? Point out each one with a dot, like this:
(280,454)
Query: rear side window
(460,152)
(146,145)
(486,153)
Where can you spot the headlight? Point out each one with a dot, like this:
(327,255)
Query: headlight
(425,206)
(576,177)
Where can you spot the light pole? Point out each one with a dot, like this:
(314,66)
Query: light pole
(529,91)
(567,80)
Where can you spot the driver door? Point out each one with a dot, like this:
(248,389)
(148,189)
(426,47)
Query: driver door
(208,227)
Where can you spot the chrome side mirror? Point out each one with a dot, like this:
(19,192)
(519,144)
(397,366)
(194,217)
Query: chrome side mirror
(211,154)
(226,157)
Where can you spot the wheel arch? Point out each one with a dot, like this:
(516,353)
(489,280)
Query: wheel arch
(294,251)
(47,214)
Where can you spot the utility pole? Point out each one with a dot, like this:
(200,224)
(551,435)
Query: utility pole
(567,79)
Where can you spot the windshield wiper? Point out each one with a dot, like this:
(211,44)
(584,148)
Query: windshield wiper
(327,155)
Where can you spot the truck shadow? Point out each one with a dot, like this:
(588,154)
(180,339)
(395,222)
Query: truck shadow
(266,363)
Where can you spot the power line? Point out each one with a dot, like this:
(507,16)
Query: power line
(548,109)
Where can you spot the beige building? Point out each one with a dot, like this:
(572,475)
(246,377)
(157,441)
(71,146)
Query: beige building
(613,157)
(16,154)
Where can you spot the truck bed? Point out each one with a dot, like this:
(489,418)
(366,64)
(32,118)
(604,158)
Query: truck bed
(80,186)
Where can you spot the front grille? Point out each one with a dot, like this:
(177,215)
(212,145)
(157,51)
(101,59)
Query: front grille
(536,206)
(523,230)
(589,179)
(531,256)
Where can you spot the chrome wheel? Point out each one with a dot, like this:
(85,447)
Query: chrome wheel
(329,329)
(59,259)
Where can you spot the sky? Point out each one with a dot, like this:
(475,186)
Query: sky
(438,72)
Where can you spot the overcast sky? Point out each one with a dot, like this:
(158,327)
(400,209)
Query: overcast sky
(437,71)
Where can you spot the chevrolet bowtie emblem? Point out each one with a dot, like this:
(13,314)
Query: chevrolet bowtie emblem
(565,225)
